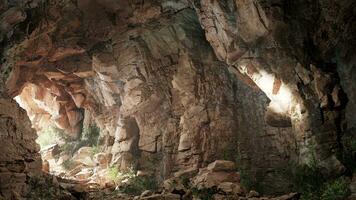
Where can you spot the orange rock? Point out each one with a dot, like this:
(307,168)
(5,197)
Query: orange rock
(45,166)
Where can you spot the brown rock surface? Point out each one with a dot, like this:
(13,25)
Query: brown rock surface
(19,157)
(176,85)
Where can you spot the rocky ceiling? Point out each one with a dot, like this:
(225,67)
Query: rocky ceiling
(181,83)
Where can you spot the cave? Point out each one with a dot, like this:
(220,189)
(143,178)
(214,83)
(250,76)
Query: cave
(178,99)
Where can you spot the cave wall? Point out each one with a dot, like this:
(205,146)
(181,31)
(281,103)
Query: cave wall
(179,84)
(19,157)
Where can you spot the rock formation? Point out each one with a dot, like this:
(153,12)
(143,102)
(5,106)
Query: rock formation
(19,156)
(175,85)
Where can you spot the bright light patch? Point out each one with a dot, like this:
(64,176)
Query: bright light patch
(281,101)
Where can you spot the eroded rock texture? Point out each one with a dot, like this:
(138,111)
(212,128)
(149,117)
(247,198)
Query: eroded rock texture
(178,84)
(19,156)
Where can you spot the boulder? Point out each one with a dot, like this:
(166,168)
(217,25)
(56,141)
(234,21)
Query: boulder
(45,166)
(50,152)
(215,173)
(230,188)
(208,179)
(102,160)
(222,165)
(187,173)
(173,184)
(253,193)
(84,174)
(146,193)
(83,155)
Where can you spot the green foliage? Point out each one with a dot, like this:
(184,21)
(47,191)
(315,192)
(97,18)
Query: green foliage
(335,190)
(348,154)
(42,188)
(230,152)
(89,138)
(90,135)
(308,181)
(313,186)
(39,190)
(135,184)
(68,164)
(68,148)
(138,184)
(205,193)
(49,136)
(113,173)
(94,150)
(245,180)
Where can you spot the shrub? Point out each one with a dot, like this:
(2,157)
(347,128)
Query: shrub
(68,148)
(113,173)
(135,184)
(138,184)
(335,190)
(247,180)
(94,150)
(308,180)
(42,188)
(89,138)
(348,154)
(313,186)
(205,193)
(49,136)
(68,164)
(90,135)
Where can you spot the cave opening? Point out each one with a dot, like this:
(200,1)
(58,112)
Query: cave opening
(61,132)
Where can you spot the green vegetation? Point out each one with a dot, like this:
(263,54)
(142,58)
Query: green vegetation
(89,138)
(313,186)
(230,152)
(39,190)
(138,184)
(94,150)
(205,193)
(90,135)
(348,153)
(49,136)
(135,184)
(335,190)
(68,148)
(68,164)
(246,179)
(308,181)
(113,173)
(42,188)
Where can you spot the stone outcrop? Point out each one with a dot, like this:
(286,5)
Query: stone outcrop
(19,157)
(176,85)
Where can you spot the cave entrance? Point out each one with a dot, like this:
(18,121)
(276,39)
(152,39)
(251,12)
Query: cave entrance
(68,142)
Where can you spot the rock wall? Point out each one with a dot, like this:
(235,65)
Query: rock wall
(19,158)
(178,84)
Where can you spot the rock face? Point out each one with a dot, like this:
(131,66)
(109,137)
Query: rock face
(19,157)
(175,85)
